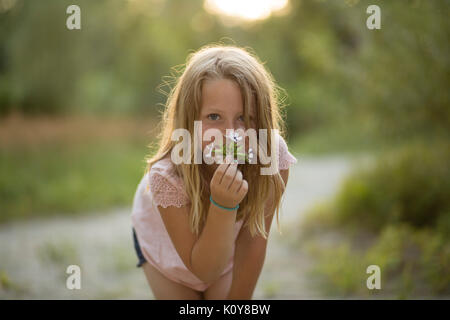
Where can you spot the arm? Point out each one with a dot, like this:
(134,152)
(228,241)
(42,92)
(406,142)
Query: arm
(214,247)
(249,256)
(207,255)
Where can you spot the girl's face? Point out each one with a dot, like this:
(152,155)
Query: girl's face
(222,107)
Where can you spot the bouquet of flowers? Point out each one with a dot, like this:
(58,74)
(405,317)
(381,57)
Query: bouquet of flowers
(233,147)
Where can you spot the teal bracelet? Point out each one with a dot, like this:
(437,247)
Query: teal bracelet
(215,203)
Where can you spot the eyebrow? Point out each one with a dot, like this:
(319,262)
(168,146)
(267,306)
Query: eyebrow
(212,109)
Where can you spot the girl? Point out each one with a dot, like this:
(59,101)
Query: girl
(200,231)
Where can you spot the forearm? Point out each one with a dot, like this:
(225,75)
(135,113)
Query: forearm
(248,263)
(214,247)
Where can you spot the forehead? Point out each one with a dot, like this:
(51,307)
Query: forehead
(222,95)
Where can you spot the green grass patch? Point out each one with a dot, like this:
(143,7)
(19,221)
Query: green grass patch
(58,179)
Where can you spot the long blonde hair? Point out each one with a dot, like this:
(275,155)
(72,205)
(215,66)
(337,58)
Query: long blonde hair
(183,105)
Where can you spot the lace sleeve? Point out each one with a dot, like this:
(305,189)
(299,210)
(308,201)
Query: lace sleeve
(165,192)
(285,158)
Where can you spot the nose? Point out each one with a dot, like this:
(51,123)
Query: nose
(232,126)
(226,125)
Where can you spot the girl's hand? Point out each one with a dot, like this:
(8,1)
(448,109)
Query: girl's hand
(228,187)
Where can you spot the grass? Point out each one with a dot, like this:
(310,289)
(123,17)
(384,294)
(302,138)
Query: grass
(69,165)
(60,180)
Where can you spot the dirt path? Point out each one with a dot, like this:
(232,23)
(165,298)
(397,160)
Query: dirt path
(34,255)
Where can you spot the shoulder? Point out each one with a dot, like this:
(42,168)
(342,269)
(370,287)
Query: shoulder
(285,157)
(165,186)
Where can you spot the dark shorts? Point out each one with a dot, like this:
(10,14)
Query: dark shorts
(137,247)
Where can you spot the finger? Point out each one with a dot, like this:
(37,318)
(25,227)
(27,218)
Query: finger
(244,187)
(228,177)
(237,182)
(224,166)
(218,174)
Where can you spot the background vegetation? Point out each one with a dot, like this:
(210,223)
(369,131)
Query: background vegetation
(79,108)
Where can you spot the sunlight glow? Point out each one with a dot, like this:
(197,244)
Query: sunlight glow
(245,9)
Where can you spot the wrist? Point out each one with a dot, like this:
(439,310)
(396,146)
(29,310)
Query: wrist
(221,206)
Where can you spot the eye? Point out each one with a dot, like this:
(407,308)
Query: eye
(212,115)
(242,118)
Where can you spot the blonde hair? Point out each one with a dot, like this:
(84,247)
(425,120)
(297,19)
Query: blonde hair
(183,106)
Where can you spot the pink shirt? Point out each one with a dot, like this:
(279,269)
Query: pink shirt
(165,188)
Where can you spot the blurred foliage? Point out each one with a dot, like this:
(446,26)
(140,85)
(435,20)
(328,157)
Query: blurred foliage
(55,180)
(410,185)
(347,88)
(69,165)
(392,81)
(7,284)
(62,253)
(394,213)
(345,82)
(413,263)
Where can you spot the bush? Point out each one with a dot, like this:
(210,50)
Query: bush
(413,263)
(394,214)
(409,186)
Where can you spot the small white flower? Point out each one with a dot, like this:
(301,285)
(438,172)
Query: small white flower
(235,136)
